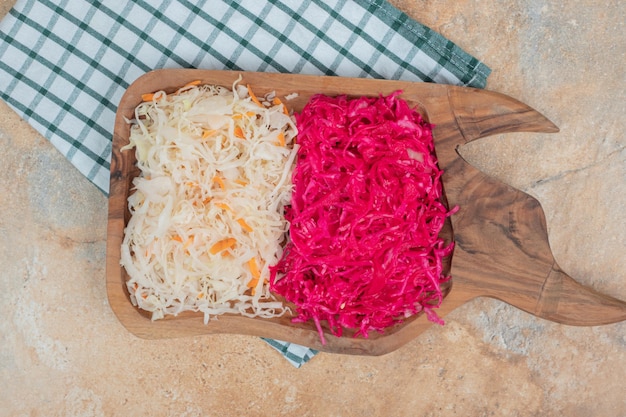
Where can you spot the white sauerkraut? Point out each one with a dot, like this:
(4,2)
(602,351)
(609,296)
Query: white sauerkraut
(207,208)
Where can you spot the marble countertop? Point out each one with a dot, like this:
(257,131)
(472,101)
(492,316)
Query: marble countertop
(63,352)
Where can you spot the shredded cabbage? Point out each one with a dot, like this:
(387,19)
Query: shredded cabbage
(366,211)
(207,209)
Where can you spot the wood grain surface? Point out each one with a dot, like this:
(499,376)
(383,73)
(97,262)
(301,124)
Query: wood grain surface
(502,248)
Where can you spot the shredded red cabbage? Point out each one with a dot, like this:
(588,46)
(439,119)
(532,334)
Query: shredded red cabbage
(365,215)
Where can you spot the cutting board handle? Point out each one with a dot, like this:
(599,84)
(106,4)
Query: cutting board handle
(482,113)
(502,247)
(564,300)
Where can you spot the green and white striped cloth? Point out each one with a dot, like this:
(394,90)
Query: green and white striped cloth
(64,64)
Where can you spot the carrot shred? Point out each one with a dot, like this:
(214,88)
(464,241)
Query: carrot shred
(237,116)
(239,132)
(187,86)
(152,96)
(245,226)
(219,181)
(222,245)
(278,102)
(178,239)
(281,139)
(241,182)
(208,132)
(254,270)
(223,206)
(256,274)
(253,96)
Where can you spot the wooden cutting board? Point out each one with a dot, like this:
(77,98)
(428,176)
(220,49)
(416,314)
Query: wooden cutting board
(500,233)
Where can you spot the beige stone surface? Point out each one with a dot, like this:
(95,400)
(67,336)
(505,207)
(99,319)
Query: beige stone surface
(63,353)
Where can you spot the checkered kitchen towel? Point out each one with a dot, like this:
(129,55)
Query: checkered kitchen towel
(64,64)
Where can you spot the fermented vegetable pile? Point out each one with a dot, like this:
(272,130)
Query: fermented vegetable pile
(207,209)
(365,215)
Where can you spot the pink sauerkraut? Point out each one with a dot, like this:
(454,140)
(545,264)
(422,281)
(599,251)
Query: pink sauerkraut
(364,251)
